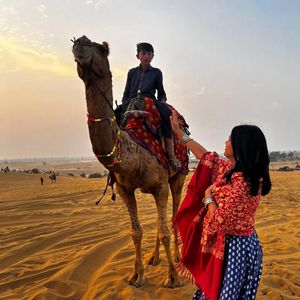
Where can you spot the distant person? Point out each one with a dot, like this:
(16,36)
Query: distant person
(42,181)
(51,177)
(143,81)
(221,249)
(54,177)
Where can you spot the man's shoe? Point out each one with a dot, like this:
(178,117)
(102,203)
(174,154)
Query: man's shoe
(175,165)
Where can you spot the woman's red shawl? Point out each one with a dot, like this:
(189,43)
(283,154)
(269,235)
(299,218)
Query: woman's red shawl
(201,264)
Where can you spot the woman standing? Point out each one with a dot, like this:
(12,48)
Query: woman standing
(220,248)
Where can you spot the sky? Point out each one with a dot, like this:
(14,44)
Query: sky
(224,63)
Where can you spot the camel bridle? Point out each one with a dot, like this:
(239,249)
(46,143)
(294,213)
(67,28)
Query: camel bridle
(88,70)
(117,133)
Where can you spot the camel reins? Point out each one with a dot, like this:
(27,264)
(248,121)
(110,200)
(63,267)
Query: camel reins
(105,98)
(117,134)
(116,146)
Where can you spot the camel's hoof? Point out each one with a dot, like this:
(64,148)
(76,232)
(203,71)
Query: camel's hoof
(172,283)
(136,281)
(154,261)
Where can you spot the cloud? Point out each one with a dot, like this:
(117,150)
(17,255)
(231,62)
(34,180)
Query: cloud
(5,10)
(16,56)
(201,90)
(42,9)
(96,3)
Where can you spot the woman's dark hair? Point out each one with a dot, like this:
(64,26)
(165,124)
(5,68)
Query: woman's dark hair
(251,154)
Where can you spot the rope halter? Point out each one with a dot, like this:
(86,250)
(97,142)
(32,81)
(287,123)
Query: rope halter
(117,144)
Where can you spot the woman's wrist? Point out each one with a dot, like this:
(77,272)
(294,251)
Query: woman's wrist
(211,207)
(208,200)
(185,138)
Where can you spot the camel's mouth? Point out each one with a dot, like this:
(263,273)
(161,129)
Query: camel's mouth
(83,51)
(82,55)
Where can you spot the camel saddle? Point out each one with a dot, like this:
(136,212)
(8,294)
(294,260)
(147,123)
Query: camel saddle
(142,121)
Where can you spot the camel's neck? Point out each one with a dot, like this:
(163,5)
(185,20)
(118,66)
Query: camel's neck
(99,98)
(99,106)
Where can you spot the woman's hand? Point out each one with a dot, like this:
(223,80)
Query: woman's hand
(192,145)
(175,125)
(208,191)
(212,206)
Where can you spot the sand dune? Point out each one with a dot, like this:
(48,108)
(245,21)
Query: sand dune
(56,244)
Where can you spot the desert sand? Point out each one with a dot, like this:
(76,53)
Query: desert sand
(57,244)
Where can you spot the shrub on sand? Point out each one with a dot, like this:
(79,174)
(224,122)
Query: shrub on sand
(95,175)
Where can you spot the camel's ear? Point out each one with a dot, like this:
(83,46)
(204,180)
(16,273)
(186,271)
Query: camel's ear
(106,48)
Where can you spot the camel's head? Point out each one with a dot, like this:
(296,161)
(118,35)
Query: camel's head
(91,58)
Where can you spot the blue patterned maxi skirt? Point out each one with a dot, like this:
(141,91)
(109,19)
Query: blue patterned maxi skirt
(242,268)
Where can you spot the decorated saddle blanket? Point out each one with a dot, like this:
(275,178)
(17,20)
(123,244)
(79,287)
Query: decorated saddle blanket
(143,126)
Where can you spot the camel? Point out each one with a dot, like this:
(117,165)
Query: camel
(139,169)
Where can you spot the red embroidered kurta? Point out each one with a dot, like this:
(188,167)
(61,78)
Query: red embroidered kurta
(236,210)
(203,236)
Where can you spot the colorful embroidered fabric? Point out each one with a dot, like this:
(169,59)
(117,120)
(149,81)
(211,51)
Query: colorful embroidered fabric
(143,128)
(203,238)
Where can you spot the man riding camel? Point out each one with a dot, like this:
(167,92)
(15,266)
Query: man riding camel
(143,81)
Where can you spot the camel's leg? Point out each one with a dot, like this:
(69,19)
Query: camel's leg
(137,277)
(154,259)
(161,199)
(176,185)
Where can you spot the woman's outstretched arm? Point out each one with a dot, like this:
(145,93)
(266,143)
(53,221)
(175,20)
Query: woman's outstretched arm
(194,147)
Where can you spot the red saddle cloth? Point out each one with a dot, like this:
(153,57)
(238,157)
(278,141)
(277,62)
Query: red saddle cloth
(143,127)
